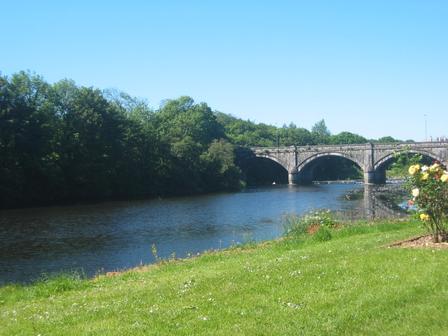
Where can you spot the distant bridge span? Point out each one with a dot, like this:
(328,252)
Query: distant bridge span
(300,161)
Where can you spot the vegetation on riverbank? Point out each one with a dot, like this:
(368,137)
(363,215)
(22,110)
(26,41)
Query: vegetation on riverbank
(398,169)
(351,284)
(63,143)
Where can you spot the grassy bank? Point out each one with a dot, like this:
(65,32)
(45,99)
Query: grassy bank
(351,284)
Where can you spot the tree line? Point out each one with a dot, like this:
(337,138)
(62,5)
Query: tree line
(247,133)
(62,143)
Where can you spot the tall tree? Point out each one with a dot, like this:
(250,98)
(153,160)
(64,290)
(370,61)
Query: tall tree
(187,129)
(320,132)
(28,125)
(293,135)
(218,164)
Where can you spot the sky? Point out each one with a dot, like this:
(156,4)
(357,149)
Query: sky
(372,67)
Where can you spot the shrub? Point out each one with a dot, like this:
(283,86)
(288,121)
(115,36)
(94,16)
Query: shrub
(429,188)
(297,225)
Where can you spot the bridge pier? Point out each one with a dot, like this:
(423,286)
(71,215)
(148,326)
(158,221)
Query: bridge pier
(293,178)
(303,177)
(375,177)
(369,177)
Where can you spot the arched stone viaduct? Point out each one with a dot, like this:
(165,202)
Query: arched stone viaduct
(300,161)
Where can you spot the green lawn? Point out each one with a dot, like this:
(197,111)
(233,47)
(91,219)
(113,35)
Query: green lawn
(350,285)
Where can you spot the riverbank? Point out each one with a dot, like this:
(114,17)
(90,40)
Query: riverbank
(351,284)
(119,235)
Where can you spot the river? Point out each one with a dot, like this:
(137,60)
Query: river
(117,235)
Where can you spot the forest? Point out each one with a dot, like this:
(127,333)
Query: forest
(62,143)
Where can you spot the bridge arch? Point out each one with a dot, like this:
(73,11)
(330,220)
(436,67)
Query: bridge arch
(309,169)
(382,161)
(264,170)
(302,165)
(273,158)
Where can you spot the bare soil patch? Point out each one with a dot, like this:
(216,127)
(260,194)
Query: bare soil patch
(420,242)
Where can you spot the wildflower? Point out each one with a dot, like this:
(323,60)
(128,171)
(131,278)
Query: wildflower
(414,169)
(424,217)
(425,168)
(424,176)
(415,192)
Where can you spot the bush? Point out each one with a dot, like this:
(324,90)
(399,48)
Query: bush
(429,188)
(297,225)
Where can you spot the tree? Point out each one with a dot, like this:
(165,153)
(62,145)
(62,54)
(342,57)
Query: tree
(28,140)
(293,135)
(219,166)
(182,117)
(387,139)
(320,132)
(186,129)
(347,138)
(142,167)
(93,143)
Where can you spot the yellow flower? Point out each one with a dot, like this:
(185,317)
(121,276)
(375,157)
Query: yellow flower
(424,176)
(434,168)
(414,169)
(424,217)
(444,177)
(415,192)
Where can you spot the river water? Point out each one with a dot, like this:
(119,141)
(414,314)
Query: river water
(117,235)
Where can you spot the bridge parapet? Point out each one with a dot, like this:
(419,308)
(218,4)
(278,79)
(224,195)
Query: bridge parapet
(333,147)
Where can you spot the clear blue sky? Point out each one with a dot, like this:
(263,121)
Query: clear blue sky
(369,67)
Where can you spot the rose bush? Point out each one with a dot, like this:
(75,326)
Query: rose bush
(429,188)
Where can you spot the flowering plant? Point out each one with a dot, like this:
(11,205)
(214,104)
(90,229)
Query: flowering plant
(296,225)
(429,188)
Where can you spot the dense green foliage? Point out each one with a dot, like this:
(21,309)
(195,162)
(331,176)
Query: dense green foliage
(352,284)
(62,142)
(398,168)
(324,169)
(247,133)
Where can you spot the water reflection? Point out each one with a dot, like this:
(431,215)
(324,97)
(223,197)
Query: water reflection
(117,235)
(375,202)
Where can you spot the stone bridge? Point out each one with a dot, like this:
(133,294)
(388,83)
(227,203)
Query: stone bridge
(300,161)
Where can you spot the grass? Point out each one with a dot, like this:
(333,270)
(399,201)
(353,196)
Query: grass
(349,285)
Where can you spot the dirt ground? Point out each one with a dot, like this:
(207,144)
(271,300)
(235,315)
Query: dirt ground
(420,242)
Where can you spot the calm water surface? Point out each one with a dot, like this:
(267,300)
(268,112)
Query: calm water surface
(116,235)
